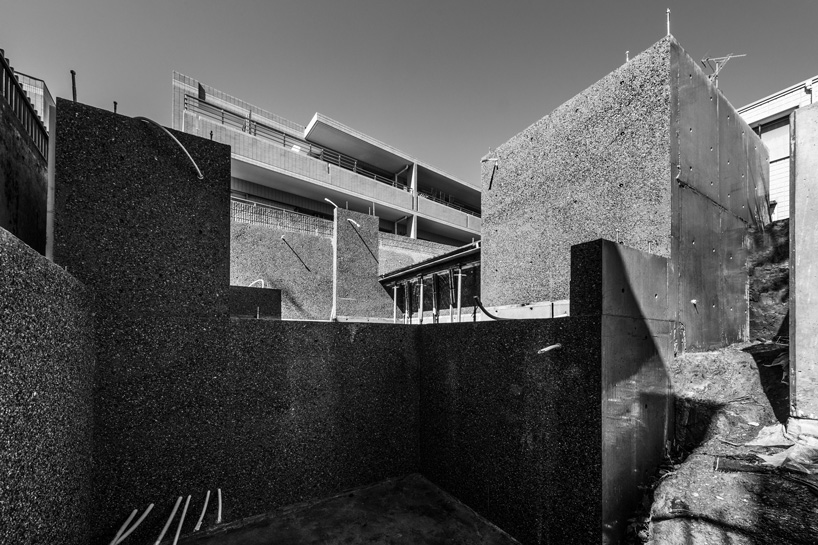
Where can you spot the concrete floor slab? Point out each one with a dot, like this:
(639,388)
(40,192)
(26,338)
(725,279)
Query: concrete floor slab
(407,510)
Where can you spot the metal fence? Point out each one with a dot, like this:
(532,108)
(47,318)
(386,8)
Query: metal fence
(18,101)
(256,213)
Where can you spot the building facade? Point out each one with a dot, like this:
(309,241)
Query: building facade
(769,117)
(39,95)
(310,169)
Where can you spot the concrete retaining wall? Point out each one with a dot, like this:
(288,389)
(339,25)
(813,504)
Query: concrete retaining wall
(23,182)
(47,364)
(397,251)
(301,267)
(804,263)
(652,156)
(356,288)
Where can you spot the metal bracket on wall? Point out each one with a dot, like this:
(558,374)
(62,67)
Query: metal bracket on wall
(152,122)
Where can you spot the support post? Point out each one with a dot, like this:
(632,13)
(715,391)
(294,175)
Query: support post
(395,304)
(459,293)
(434,299)
(420,301)
(451,296)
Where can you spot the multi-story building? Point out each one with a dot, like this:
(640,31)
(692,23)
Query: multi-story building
(770,118)
(310,169)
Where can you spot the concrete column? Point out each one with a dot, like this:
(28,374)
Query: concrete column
(804,262)
(52,164)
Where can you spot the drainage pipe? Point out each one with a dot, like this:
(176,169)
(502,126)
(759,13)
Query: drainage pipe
(486,312)
(137,523)
(151,121)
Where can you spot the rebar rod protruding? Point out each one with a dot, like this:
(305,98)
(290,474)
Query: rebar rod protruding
(137,523)
(181,521)
(167,524)
(201,517)
(124,525)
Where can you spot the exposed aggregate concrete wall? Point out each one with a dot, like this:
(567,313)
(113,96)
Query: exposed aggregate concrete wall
(652,156)
(271,412)
(398,251)
(512,433)
(46,376)
(23,182)
(257,251)
(596,167)
(356,254)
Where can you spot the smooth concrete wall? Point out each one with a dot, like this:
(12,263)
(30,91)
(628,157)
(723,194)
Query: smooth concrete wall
(596,167)
(720,190)
(47,364)
(23,182)
(356,289)
(300,265)
(634,293)
(804,263)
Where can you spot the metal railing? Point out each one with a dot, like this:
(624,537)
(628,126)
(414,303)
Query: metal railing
(257,213)
(21,106)
(449,204)
(298,145)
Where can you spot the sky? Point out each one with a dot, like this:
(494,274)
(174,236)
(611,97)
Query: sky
(443,81)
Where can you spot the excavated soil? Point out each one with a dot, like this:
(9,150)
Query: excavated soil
(724,398)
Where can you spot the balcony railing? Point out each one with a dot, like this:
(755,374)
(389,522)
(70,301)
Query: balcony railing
(17,99)
(252,212)
(456,206)
(254,128)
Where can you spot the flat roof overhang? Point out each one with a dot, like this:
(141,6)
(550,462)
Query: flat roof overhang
(470,253)
(329,133)
(464,193)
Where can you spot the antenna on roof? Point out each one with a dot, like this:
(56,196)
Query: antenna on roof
(716,64)
(668,21)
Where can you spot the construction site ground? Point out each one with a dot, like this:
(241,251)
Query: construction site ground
(713,488)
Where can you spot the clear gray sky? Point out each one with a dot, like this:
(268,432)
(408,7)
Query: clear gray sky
(441,80)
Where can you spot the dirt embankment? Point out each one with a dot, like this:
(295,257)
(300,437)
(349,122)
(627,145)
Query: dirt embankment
(713,488)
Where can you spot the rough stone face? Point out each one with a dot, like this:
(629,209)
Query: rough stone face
(46,376)
(23,182)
